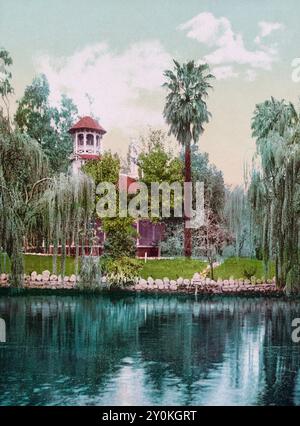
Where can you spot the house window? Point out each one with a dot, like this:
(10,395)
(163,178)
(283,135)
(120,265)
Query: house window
(90,139)
(80,139)
(97,141)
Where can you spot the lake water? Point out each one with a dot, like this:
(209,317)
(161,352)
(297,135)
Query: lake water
(148,350)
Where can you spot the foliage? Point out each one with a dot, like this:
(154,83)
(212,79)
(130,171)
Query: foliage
(274,190)
(67,207)
(237,214)
(23,171)
(172,244)
(120,237)
(6,88)
(158,165)
(47,125)
(104,169)
(186,113)
(204,171)
(250,271)
(120,233)
(186,110)
(293,281)
(63,118)
(90,273)
(121,271)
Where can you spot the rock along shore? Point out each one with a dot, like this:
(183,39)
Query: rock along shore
(196,285)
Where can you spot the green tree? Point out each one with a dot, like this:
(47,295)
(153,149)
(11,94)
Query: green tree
(120,233)
(186,112)
(23,176)
(274,190)
(6,88)
(156,163)
(47,125)
(64,118)
(204,171)
(104,169)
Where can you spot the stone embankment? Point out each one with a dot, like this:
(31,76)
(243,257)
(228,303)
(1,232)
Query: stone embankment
(43,280)
(199,284)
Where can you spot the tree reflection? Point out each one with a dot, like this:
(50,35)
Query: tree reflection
(80,349)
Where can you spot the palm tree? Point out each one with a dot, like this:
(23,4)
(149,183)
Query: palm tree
(185,112)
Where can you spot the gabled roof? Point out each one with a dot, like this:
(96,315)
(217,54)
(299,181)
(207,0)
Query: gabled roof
(88,123)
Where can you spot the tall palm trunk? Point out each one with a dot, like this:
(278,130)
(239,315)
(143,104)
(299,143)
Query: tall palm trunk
(187,178)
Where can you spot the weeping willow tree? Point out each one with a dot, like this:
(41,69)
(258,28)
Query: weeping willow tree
(23,174)
(67,207)
(33,204)
(274,190)
(237,218)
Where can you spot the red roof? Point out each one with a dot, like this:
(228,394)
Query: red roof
(89,156)
(124,183)
(87,123)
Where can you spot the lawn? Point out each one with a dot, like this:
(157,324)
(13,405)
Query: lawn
(41,263)
(172,269)
(160,268)
(156,268)
(236,268)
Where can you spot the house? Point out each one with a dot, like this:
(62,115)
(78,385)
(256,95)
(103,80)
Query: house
(87,136)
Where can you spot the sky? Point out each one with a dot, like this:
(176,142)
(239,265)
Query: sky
(109,56)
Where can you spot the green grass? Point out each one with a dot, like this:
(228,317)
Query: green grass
(172,269)
(235,267)
(39,264)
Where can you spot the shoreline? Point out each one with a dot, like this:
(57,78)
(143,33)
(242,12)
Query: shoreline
(45,283)
(76,292)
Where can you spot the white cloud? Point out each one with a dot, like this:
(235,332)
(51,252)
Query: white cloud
(115,81)
(224,72)
(228,47)
(205,28)
(267,28)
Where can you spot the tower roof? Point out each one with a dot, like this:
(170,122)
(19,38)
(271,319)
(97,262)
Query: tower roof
(87,123)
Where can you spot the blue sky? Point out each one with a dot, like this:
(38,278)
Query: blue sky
(115,51)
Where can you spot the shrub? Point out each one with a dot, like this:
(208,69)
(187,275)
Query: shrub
(121,271)
(249,271)
(120,237)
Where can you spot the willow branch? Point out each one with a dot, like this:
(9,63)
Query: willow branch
(35,186)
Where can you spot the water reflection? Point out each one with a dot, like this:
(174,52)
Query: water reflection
(131,349)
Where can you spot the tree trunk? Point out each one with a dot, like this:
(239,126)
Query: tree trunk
(187,178)
(211,264)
